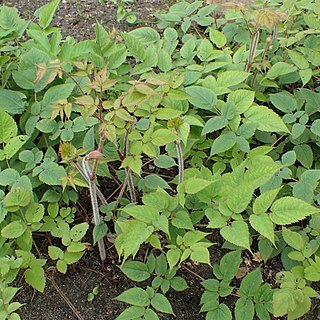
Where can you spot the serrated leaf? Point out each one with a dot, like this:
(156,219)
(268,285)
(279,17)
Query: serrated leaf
(202,97)
(14,145)
(136,270)
(134,296)
(284,101)
(8,127)
(99,231)
(280,69)
(163,137)
(263,225)
(231,78)
(244,309)
(195,185)
(55,253)
(46,13)
(265,119)
(293,239)
(243,99)
(36,278)
(130,313)
(264,201)
(214,124)
(52,174)
(181,219)
(16,198)
(217,37)
(178,284)
(161,303)
(289,210)
(222,312)
(223,143)
(13,230)
(134,46)
(251,283)
(304,155)
(12,101)
(237,233)
(173,257)
(78,232)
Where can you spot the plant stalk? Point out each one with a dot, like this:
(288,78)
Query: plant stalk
(180,160)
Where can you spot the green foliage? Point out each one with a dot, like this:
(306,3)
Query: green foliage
(232,102)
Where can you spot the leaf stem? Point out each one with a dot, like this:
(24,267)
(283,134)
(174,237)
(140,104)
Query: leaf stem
(180,160)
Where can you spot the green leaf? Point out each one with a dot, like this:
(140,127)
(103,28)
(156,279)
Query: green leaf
(264,201)
(214,124)
(16,198)
(14,145)
(178,284)
(143,213)
(217,37)
(315,127)
(243,99)
(164,162)
(99,231)
(46,13)
(8,177)
(263,225)
(146,35)
(8,127)
(298,59)
(194,185)
(78,232)
(150,315)
(136,270)
(161,303)
(55,253)
(200,253)
(289,210)
(237,233)
(56,93)
(305,75)
(134,296)
(182,220)
(244,309)
(284,101)
(280,69)
(304,155)
(229,265)
(36,278)
(265,119)
(223,143)
(164,61)
(163,137)
(251,283)
(74,247)
(11,102)
(13,230)
(293,239)
(173,257)
(131,313)
(201,97)
(52,174)
(222,312)
(231,78)
(134,46)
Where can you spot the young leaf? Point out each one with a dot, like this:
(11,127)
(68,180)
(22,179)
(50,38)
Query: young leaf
(265,119)
(289,210)
(133,312)
(263,225)
(16,198)
(46,13)
(264,201)
(217,37)
(136,270)
(134,296)
(161,303)
(244,309)
(214,124)
(222,312)
(36,278)
(8,127)
(304,155)
(178,284)
(13,230)
(251,283)
(223,143)
(237,233)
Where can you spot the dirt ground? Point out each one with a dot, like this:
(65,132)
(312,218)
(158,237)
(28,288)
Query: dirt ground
(65,296)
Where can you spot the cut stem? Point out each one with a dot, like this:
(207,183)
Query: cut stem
(180,160)
(94,204)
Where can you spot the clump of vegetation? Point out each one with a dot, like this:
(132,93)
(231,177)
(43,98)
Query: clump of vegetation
(230,103)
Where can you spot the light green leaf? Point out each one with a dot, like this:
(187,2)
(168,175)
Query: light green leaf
(46,13)
(161,303)
(134,46)
(134,296)
(263,225)
(237,233)
(136,270)
(194,185)
(13,230)
(264,201)
(164,61)
(36,278)
(178,284)
(14,145)
(52,174)
(231,78)
(265,119)
(143,213)
(146,35)
(55,253)
(8,177)
(16,198)
(305,75)
(173,257)
(223,143)
(11,102)
(222,312)
(298,59)
(293,239)
(8,127)
(78,231)
(244,309)
(243,99)
(202,97)
(289,210)
(315,127)
(284,101)
(214,124)
(131,313)
(280,69)
(163,137)
(200,254)
(181,219)
(164,161)
(56,93)
(217,37)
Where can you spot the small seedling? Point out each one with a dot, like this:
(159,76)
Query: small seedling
(91,295)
